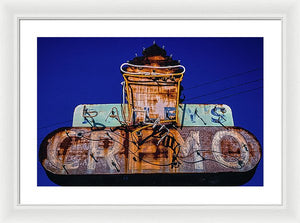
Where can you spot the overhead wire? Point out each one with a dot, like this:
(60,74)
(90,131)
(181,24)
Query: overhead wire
(224,78)
(209,82)
(225,89)
(241,92)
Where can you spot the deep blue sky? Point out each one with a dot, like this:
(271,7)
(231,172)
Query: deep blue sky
(74,71)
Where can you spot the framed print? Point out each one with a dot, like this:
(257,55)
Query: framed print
(152,139)
(158,113)
(168,156)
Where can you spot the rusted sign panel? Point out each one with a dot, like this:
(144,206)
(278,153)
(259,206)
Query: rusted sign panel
(153,97)
(77,151)
(153,86)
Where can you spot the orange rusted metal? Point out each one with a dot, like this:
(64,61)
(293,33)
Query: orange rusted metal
(200,150)
(153,86)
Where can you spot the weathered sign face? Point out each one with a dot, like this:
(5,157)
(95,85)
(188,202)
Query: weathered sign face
(152,97)
(112,115)
(98,151)
(152,84)
(157,141)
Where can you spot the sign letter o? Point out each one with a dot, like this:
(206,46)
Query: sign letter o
(219,156)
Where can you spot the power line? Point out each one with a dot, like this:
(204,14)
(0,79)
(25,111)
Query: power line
(241,92)
(225,89)
(224,78)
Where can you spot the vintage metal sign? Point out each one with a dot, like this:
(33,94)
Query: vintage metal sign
(151,138)
(108,115)
(81,151)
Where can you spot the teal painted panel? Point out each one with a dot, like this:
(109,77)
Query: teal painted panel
(107,115)
(205,115)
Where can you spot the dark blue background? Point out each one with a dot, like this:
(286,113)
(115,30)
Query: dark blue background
(73,71)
